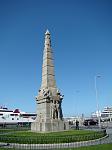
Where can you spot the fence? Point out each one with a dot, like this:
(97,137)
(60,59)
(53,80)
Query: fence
(57,142)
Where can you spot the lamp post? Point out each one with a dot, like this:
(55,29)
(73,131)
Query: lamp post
(77,92)
(96,92)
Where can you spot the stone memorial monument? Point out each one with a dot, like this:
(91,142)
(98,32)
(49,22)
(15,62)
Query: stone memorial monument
(49,99)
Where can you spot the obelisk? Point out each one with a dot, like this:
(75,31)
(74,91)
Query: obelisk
(49,99)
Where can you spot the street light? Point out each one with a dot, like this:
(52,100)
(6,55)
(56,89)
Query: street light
(96,92)
(76,105)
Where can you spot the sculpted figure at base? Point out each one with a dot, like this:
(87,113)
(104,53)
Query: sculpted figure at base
(55,110)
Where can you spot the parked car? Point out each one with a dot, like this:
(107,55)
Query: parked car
(89,122)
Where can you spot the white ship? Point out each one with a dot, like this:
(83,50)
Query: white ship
(105,115)
(15,117)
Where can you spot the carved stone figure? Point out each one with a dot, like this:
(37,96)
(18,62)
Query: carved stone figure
(46,93)
(60,110)
(55,110)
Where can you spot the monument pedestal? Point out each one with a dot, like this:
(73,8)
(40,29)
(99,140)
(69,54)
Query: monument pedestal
(53,126)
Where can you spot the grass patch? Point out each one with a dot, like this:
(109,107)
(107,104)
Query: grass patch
(5,130)
(96,147)
(28,137)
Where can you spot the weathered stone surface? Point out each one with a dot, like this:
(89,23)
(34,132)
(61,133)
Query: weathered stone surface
(49,99)
(51,126)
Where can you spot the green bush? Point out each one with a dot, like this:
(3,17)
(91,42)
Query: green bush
(27,137)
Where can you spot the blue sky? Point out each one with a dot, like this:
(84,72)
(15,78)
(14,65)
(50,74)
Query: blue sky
(81,33)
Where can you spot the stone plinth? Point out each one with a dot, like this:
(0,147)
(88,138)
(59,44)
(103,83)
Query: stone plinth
(53,126)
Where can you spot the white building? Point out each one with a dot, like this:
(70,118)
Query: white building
(72,120)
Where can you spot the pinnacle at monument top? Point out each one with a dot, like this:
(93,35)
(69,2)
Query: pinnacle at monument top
(47,32)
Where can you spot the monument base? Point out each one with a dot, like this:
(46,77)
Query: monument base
(53,126)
